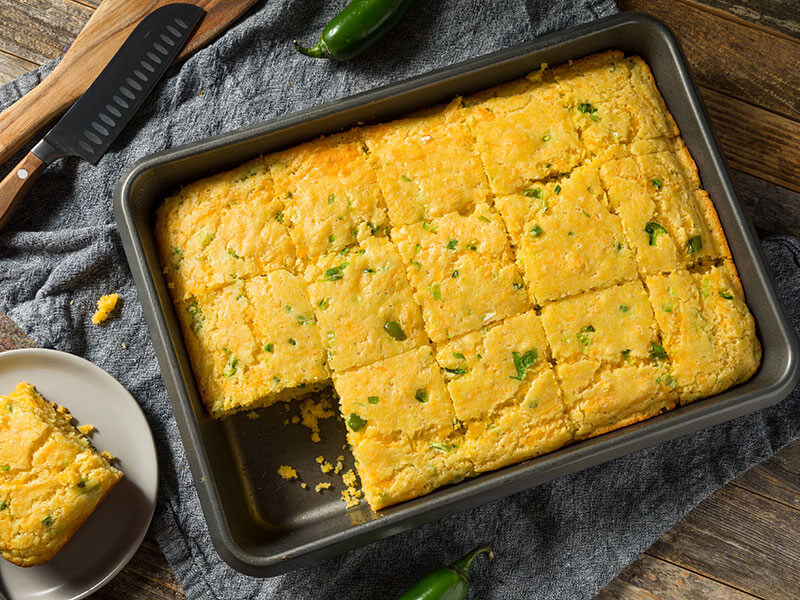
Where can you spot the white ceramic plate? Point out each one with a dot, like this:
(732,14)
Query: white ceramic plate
(113,533)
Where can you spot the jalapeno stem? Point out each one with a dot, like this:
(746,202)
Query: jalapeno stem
(319,50)
(462,565)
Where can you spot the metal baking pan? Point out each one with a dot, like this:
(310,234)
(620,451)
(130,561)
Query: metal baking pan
(262,526)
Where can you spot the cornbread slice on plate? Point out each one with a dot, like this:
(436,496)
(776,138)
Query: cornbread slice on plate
(707,330)
(505,392)
(401,427)
(253,343)
(462,273)
(426,165)
(331,194)
(51,478)
(572,245)
(221,229)
(364,305)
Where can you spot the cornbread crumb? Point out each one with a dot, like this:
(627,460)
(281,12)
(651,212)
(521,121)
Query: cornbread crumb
(86,429)
(313,410)
(303,485)
(352,494)
(105,306)
(253,415)
(107,455)
(322,486)
(339,465)
(286,472)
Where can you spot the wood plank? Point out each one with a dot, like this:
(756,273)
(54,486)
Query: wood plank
(754,64)
(147,575)
(12,67)
(777,478)
(739,538)
(773,209)
(783,15)
(756,141)
(40,30)
(650,578)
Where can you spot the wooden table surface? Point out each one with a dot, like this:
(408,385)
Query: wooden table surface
(744,541)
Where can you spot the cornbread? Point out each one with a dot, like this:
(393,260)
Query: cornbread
(401,427)
(51,478)
(365,305)
(505,393)
(484,281)
(462,272)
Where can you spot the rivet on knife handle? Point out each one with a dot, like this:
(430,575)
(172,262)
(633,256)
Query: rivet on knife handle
(16,184)
(100,114)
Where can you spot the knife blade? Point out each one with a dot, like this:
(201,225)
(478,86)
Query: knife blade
(96,119)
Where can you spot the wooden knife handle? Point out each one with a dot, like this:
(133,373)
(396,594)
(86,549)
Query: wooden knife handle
(16,184)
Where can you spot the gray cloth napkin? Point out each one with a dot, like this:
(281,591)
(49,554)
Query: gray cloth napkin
(61,251)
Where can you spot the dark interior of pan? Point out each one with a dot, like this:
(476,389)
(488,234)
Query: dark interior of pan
(263,526)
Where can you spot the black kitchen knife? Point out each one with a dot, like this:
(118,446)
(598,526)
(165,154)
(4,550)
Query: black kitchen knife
(100,114)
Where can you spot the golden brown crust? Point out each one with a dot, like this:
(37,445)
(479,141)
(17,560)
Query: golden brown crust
(574,178)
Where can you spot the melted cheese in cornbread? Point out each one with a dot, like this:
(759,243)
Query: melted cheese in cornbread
(487,280)
(365,305)
(51,479)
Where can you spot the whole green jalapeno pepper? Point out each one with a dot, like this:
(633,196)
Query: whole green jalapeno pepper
(446,583)
(356,28)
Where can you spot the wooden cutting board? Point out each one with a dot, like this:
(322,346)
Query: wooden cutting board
(90,52)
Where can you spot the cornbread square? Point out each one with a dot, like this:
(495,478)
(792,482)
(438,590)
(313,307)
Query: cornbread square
(569,242)
(505,392)
(252,344)
(614,100)
(401,427)
(461,270)
(667,217)
(221,229)
(707,330)
(364,305)
(524,137)
(600,399)
(51,478)
(614,325)
(331,194)
(426,165)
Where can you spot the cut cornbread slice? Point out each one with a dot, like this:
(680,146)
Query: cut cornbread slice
(461,270)
(614,325)
(601,399)
(252,344)
(426,165)
(364,305)
(707,331)
(520,211)
(667,218)
(51,478)
(614,99)
(222,229)
(505,393)
(401,427)
(575,245)
(332,197)
(525,137)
